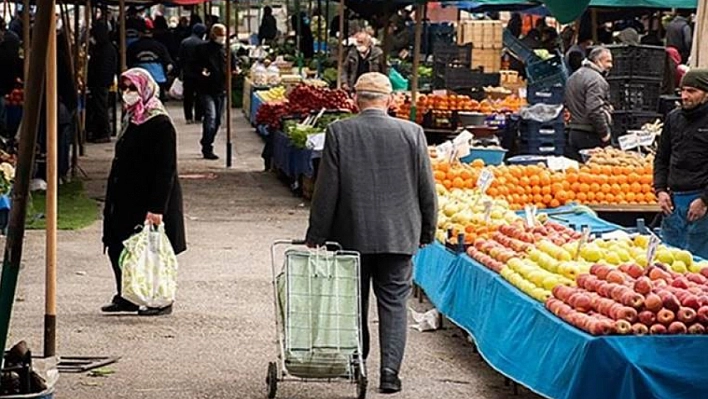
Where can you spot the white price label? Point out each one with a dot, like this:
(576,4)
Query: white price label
(444,150)
(583,240)
(486,177)
(651,249)
(487,211)
(530,213)
(628,142)
(645,139)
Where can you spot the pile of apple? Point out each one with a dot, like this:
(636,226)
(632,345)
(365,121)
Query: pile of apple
(634,300)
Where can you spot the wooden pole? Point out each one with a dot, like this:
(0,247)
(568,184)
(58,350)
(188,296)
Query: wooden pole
(593,18)
(699,50)
(123,60)
(248,19)
(416,58)
(50,305)
(25,163)
(228,84)
(26,35)
(84,88)
(340,45)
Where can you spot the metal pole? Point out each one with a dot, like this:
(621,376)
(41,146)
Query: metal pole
(228,83)
(50,305)
(248,18)
(340,46)
(26,35)
(298,37)
(416,58)
(123,60)
(20,190)
(327,19)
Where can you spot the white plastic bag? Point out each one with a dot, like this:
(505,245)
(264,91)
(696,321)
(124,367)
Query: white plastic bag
(149,268)
(177,90)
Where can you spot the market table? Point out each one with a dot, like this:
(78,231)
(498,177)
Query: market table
(522,340)
(292,161)
(626,215)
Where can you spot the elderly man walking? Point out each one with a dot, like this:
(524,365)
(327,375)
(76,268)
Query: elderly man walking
(375,194)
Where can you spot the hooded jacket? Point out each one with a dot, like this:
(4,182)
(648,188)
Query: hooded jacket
(375,60)
(587,97)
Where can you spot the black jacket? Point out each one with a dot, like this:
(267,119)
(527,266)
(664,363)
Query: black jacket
(187,60)
(144,179)
(103,64)
(12,66)
(268,29)
(680,163)
(679,35)
(211,65)
(146,51)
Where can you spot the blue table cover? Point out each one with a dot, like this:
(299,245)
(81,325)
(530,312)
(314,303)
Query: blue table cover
(519,338)
(4,202)
(567,216)
(256,103)
(292,161)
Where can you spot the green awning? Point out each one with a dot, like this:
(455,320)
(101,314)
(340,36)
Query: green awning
(645,3)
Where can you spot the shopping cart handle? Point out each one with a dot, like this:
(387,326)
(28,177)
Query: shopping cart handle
(298,242)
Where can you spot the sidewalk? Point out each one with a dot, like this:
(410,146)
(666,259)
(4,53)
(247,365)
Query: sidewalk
(219,340)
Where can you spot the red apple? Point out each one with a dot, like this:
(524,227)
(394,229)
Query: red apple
(583,303)
(657,329)
(680,282)
(626,313)
(581,279)
(686,315)
(633,299)
(601,327)
(640,329)
(665,316)
(653,302)
(643,285)
(615,276)
(702,315)
(704,272)
(617,291)
(647,318)
(658,274)
(677,328)
(634,270)
(623,327)
(603,289)
(600,271)
(670,302)
(703,299)
(691,301)
(562,292)
(592,283)
(658,284)
(696,329)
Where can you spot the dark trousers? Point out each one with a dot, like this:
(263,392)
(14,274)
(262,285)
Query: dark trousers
(213,110)
(99,123)
(114,252)
(192,107)
(391,276)
(581,140)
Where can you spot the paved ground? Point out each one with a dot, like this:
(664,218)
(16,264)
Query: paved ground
(220,338)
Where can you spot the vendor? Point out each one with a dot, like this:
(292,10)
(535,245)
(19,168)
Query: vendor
(587,97)
(365,57)
(680,168)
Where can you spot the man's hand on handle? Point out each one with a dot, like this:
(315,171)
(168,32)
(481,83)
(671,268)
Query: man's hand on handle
(665,203)
(153,219)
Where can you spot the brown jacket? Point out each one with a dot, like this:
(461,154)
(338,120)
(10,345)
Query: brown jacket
(375,59)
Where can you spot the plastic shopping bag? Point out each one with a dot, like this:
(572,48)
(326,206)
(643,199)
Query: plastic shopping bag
(149,267)
(177,90)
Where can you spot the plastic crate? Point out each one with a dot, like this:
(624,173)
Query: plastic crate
(638,61)
(531,130)
(520,51)
(624,121)
(447,53)
(635,94)
(546,149)
(490,156)
(552,95)
(547,73)
(456,77)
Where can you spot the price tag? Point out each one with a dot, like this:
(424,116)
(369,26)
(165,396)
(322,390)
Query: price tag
(530,213)
(651,249)
(486,177)
(645,139)
(583,240)
(487,211)
(444,150)
(628,142)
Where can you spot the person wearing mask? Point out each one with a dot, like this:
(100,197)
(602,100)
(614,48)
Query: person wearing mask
(385,220)
(143,184)
(679,35)
(190,73)
(680,170)
(363,58)
(151,55)
(211,85)
(587,97)
(163,34)
(268,30)
(102,67)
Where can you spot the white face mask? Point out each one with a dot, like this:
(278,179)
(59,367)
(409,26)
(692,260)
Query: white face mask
(130,98)
(362,49)
(220,39)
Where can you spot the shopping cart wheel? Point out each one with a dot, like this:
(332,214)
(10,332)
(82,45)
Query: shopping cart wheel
(361,386)
(272,380)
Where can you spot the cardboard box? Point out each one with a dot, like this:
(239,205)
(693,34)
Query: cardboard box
(487,59)
(482,34)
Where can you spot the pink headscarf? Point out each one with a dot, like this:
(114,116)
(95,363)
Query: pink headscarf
(149,105)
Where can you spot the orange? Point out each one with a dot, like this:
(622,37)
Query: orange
(535,180)
(572,177)
(439,175)
(503,190)
(546,190)
(616,189)
(633,178)
(458,182)
(566,185)
(469,229)
(443,167)
(591,197)
(647,189)
(556,187)
(636,187)
(620,198)
(612,179)
(650,198)
(631,197)
(606,170)
(555,203)
(492,192)
(601,179)
(478,163)
(561,196)
(536,190)
(524,181)
(545,178)
(570,196)
(646,179)
(581,197)
(469,183)
(538,198)
(640,198)
(575,187)
(609,199)
(584,187)
(524,199)
(465,174)
(599,197)
(585,178)
(447,184)
(547,199)
(451,174)
(625,187)
(606,188)
(594,187)
(621,179)
(540,205)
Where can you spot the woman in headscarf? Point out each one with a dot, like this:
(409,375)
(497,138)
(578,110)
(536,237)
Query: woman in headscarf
(143,186)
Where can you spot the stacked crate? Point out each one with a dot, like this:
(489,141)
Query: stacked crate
(486,38)
(542,138)
(635,86)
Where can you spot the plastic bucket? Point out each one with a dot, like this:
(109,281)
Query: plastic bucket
(490,156)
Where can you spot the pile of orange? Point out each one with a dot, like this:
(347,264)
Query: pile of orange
(537,185)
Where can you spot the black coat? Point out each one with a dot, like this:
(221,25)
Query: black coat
(211,57)
(187,57)
(144,179)
(103,63)
(268,29)
(12,66)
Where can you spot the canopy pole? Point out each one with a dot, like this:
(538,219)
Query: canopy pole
(416,59)
(340,45)
(593,18)
(84,89)
(26,36)
(298,36)
(328,21)
(228,84)
(25,161)
(699,50)
(123,59)
(50,305)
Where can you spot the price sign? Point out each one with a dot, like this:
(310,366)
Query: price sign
(530,213)
(444,150)
(628,142)
(651,249)
(485,180)
(487,211)
(583,240)
(645,139)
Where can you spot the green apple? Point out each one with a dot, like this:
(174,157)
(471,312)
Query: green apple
(683,256)
(550,282)
(591,253)
(663,255)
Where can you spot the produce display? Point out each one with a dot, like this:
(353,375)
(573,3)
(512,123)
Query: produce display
(535,184)
(444,105)
(273,94)
(299,132)
(614,157)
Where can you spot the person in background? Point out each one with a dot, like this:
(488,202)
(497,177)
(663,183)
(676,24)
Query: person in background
(190,72)
(211,85)
(143,185)
(515,24)
(628,36)
(577,53)
(151,55)
(387,219)
(303,30)
(17,23)
(183,29)
(268,30)
(680,170)
(102,67)
(163,34)
(679,34)
(363,58)
(12,70)
(587,97)
(319,27)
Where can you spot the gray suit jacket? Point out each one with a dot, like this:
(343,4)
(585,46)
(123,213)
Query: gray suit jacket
(375,191)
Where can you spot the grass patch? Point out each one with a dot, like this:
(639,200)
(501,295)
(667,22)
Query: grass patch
(76,210)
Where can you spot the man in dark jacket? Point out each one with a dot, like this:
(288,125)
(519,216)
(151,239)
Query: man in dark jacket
(102,68)
(375,194)
(190,73)
(269,26)
(363,58)
(680,168)
(211,85)
(151,55)
(680,35)
(587,97)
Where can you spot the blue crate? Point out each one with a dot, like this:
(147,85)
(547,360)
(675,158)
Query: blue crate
(553,95)
(490,156)
(545,149)
(530,129)
(521,51)
(547,73)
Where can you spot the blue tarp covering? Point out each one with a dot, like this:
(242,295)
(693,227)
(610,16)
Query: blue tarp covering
(292,161)
(521,339)
(256,103)
(568,216)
